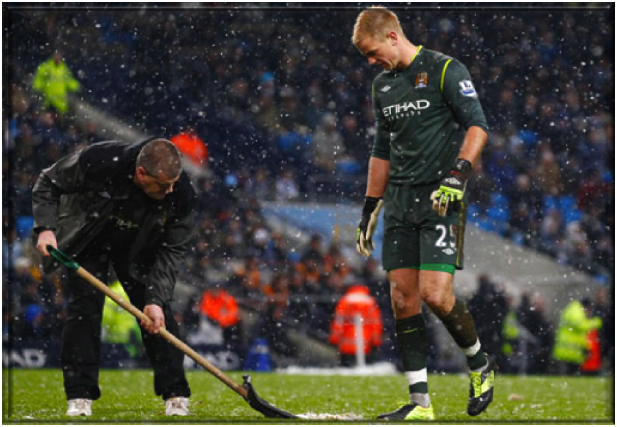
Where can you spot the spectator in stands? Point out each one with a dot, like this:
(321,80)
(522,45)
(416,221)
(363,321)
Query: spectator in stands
(48,137)
(315,250)
(333,284)
(265,108)
(286,187)
(294,138)
(548,173)
(551,230)
(276,250)
(54,80)
(356,309)
(293,118)
(499,168)
(259,184)
(576,249)
(238,95)
(22,278)
(481,185)
(260,238)
(12,247)
(271,323)
(251,280)
(32,312)
(311,269)
(32,324)
(592,191)
(189,316)
(531,315)
(527,192)
(299,300)
(335,263)
(327,144)
(355,141)
(90,132)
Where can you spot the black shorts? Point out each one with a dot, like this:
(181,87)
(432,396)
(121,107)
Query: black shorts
(415,236)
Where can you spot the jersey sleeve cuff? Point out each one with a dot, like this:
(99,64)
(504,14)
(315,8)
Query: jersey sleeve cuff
(481,125)
(381,156)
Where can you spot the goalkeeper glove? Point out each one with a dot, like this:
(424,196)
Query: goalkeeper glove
(449,196)
(368,223)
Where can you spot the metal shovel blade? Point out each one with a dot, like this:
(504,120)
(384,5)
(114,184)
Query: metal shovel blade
(260,405)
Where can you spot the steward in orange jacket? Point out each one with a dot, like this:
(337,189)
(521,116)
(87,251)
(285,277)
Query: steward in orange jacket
(192,146)
(220,306)
(357,300)
(593,363)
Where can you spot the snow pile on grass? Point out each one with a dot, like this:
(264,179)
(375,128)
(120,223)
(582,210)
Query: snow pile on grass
(314,416)
(381,368)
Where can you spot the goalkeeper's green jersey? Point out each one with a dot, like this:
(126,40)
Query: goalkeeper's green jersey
(422,114)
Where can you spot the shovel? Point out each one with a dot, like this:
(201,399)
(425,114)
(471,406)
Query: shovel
(246,390)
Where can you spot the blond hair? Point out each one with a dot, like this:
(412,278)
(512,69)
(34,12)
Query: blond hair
(375,21)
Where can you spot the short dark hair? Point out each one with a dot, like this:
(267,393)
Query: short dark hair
(160,156)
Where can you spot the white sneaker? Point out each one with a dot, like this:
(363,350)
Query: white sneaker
(177,406)
(79,407)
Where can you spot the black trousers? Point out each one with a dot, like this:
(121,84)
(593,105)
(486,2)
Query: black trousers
(81,338)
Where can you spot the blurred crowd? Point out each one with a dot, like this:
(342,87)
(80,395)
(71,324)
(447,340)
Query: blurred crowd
(290,107)
(285,112)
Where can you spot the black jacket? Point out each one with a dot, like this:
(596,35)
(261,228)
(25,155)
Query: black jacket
(75,196)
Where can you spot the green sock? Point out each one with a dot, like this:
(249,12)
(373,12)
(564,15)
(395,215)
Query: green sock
(412,345)
(477,361)
(460,325)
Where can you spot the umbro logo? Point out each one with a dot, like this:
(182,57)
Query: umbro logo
(386,88)
(451,180)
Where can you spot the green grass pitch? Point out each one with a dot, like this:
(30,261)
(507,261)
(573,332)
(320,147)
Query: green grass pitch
(31,396)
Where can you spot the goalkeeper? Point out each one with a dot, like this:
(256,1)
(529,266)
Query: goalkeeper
(430,130)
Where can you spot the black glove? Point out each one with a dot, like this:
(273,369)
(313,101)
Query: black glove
(451,188)
(368,223)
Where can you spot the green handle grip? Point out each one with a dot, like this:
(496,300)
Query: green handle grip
(62,257)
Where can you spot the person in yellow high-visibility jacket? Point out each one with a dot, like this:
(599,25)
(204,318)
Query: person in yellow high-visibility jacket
(571,345)
(54,80)
(510,334)
(119,326)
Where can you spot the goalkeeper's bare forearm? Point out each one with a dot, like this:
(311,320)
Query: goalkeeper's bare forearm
(378,177)
(473,144)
